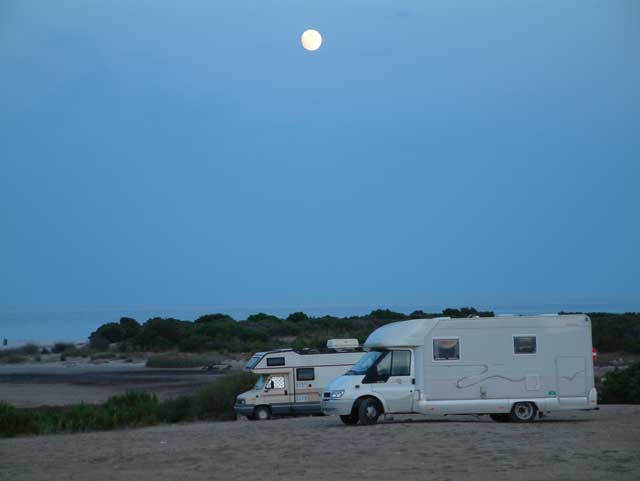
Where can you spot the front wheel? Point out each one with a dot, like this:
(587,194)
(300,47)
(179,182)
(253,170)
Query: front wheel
(349,420)
(369,411)
(262,413)
(523,412)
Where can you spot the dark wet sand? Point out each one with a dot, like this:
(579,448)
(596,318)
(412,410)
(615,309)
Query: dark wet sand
(57,384)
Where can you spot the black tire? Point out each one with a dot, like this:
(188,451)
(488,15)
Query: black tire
(369,411)
(251,418)
(349,420)
(500,417)
(524,412)
(262,413)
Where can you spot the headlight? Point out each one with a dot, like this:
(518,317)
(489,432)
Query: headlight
(337,394)
(240,401)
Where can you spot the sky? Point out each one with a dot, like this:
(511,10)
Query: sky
(430,152)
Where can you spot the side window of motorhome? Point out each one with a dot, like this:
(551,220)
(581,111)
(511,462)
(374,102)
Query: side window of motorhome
(401,365)
(384,366)
(524,344)
(305,374)
(446,349)
(275,361)
(275,382)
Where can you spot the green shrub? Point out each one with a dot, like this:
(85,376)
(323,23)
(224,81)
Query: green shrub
(175,410)
(30,349)
(216,400)
(60,347)
(97,356)
(135,408)
(14,421)
(15,359)
(622,386)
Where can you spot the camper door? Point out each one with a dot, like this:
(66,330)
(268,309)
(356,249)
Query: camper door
(277,391)
(397,390)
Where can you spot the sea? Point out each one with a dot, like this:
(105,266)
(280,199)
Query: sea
(49,324)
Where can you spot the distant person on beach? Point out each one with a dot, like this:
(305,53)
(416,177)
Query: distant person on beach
(5,341)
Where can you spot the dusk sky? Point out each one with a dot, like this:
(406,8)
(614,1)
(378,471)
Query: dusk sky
(192,152)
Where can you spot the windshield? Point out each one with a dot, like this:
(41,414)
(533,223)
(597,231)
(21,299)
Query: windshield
(365,363)
(255,359)
(260,382)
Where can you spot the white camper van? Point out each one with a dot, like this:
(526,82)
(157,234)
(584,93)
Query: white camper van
(512,368)
(290,382)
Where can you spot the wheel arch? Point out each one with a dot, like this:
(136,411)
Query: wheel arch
(379,400)
(538,404)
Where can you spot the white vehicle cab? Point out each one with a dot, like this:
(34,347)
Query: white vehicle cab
(290,382)
(512,368)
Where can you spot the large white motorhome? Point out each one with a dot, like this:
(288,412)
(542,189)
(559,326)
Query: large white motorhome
(290,382)
(512,368)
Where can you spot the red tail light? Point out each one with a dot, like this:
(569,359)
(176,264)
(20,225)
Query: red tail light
(594,353)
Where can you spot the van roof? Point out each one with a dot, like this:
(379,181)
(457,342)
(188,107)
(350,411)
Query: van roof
(413,332)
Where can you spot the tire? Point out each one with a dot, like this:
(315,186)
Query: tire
(369,411)
(262,413)
(349,420)
(500,418)
(523,412)
(251,418)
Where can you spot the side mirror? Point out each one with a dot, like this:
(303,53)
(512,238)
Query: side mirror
(370,375)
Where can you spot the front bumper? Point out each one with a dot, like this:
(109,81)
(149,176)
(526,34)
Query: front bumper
(243,409)
(336,407)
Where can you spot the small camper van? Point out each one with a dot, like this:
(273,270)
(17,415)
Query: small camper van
(290,382)
(511,368)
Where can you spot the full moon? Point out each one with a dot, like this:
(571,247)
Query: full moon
(311,40)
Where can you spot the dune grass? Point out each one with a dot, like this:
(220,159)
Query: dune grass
(133,409)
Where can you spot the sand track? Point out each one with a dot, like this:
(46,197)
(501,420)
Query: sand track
(586,446)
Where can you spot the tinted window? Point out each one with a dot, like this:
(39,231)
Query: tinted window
(275,361)
(384,366)
(446,349)
(305,374)
(401,365)
(524,344)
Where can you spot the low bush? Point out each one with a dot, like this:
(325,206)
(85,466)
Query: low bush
(60,347)
(622,386)
(98,356)
(216,400)
(135,408)
(14,358)
(30,349)
(179,409)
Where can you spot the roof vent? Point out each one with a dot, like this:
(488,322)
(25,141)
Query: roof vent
(343,344)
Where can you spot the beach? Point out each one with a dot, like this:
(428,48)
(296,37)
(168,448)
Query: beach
(583,445)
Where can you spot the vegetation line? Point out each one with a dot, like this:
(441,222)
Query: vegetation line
(133,409)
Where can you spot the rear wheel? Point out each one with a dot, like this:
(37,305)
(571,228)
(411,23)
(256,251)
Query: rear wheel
(349,420)
(369,411)
(523,412)
(500,418)
(262,413)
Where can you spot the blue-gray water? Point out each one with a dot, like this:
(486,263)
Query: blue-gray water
(47,324)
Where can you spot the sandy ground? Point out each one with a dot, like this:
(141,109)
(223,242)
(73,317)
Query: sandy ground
(59,383)
(577,446)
